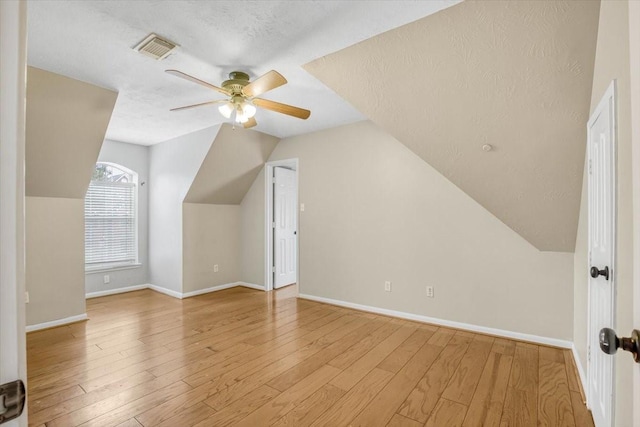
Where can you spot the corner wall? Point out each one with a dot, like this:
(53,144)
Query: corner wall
(173,167)
(66,121)
(612,62)
(375,211)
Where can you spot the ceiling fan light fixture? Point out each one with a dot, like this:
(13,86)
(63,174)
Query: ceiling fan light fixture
(248,109)
(226,109)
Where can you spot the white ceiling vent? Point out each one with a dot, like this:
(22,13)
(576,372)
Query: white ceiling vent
(155,47)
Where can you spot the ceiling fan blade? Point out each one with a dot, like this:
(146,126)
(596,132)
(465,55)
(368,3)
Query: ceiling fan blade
(198,105)
(197,81)
(264,83)
(282,108)
(250,123)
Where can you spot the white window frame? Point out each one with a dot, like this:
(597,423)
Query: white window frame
(121,265)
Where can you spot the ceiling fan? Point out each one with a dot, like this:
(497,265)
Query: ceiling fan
(242,96)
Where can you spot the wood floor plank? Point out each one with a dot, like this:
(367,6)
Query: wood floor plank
(583,417)
(486,405)
(424,397)
(238,410)
(186,417)
(463,383)
(354,373)
(348,407)
(381,409)
(554,399)
(400,421)
(242,356)
(524,373)
(311,408)
(447,413)
(520,409)
(401,355)
(285,402)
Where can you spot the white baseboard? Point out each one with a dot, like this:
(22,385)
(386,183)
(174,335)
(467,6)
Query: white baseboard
(173,293)
(165,291)
(581,370)
(59,322)
(250,285)
(115,291)
(207,290)
(441,322)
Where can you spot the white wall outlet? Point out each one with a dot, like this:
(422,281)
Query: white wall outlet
(387,286)
(26,297)
(215,268)
(106,279)
(301,207)
(430,291)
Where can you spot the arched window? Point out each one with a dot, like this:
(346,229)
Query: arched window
(110,218)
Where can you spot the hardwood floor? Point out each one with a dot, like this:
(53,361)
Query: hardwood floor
(248,358)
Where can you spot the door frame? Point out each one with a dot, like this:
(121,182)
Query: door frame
(13,69)
(609,94)
(634,59)
(268,224)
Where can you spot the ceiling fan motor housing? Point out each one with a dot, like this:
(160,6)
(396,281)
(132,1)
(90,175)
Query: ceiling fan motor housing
(237,80)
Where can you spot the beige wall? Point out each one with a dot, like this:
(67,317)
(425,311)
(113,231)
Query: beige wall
(612,62)
(210,235)
(375,211)
(66,123)
(54,258)
(252,233)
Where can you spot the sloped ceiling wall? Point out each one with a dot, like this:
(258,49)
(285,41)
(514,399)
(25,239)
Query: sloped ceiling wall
(66,123)
(513,74)
(231,165)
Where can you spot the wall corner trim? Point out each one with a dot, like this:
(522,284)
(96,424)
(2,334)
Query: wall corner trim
(442,322)
(115,291)
(58,322)
(173,293)
(250,285)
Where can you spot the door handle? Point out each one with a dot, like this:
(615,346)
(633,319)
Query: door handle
(610,343)
(595,272)
(12,399)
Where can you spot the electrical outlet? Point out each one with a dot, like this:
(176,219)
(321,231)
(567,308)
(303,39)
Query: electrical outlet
(387,286)
(215,268)
(430,291)
(26,297)
(106,279)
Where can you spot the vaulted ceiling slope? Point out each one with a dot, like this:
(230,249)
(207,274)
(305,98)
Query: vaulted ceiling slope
(515,75)
(66,122)
(231,165)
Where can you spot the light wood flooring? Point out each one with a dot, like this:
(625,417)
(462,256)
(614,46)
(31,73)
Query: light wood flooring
(248,358)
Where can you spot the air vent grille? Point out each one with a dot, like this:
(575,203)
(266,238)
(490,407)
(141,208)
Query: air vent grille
(155,47)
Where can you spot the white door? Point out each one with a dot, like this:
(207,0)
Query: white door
(12,106)
(601,192)
(285,223)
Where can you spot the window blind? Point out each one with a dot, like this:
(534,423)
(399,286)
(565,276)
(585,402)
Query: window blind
(110,224)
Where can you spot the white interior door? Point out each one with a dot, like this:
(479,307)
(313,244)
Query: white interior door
(285,226)
(601,193)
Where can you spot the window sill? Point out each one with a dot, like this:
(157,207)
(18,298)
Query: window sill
(101,269)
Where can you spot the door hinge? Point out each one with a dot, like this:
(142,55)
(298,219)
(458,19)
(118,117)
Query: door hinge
(273,225)
(12,399)
(589,354)
(590,167)
(273,269)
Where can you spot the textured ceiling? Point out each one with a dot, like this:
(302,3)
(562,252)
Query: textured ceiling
(63,116)
(92,41)
(231,165)
(513,74)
